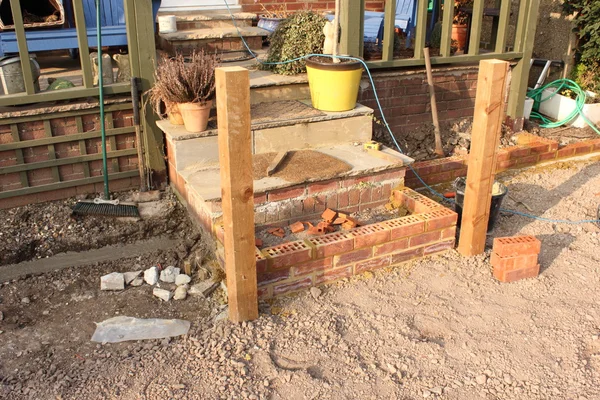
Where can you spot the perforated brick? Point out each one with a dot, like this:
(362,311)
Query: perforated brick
(261,262)
(370,235)
(415,202)
(513,263)
(406,226)
(287,254)
(332,244)
(438,219)
(516,246)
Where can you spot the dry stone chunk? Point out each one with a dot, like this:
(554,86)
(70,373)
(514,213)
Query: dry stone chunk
(315,292)
(180,293)
(112,281)
(151,276)
(200,288)
(130,276)
(162,294)
(139,281)
(481,379)
(182,279)
(1,315)
(169,274)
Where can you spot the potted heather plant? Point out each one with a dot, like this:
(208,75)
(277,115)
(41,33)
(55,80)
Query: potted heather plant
(186,85)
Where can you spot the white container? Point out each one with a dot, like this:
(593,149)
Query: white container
(528,107)
(559,107)
(167,24)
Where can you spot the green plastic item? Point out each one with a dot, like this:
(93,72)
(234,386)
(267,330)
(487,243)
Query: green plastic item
(101,99)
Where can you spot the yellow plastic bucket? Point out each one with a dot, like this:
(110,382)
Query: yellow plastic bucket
(333,87)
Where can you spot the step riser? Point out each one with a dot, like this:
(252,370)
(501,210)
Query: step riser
(183,25)
(204,151)
(267,94)
(186,47)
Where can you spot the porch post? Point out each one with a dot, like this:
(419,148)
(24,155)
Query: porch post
(352,24)
(520,74)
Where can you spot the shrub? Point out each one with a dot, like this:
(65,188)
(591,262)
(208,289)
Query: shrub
(296,36)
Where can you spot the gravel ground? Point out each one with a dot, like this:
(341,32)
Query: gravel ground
(440,327)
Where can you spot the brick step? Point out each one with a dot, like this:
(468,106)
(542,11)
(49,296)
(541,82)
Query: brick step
(276,126)
(219,39)
(205,20)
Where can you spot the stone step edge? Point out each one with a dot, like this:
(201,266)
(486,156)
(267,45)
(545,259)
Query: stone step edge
(178,133)
(214,33)
(215,17)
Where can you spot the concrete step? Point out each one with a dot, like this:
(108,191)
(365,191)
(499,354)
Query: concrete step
(204,21)
(213,39)
(276,126)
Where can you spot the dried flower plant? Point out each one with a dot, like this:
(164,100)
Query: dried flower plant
(184,80)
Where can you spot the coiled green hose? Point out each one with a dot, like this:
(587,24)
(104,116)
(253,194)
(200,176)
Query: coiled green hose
(560,84)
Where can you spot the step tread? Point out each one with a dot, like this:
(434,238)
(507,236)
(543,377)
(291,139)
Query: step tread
(215,17)
(271,115)
(206,181)
(214,33)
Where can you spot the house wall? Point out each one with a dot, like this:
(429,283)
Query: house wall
(294,5)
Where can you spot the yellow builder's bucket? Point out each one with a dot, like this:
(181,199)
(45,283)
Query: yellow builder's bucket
(333,87)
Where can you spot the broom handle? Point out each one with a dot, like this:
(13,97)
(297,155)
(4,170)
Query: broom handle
(101,99)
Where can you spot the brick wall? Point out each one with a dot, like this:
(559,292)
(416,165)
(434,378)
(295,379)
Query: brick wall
(39,163)
(298,265)
(404,96)
(294,5)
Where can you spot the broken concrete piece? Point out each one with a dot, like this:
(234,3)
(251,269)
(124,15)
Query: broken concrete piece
(203,289)
(169,274)
(329,215)
(130,276)
(139,281)
(297,227)
(182,279)
(162,294)
(112,281)
(151,276)
(315,292)
(180,293)
(122,329)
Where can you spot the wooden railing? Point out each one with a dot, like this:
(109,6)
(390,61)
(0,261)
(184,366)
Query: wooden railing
(352,32)
(134,22)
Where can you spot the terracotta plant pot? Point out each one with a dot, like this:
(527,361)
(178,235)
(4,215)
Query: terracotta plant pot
(174,115)
(459,33)
(195,115)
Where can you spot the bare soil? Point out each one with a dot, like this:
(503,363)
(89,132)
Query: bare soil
(440,328)
(300,166)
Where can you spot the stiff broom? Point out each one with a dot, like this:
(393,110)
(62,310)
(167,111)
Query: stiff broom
(104,206)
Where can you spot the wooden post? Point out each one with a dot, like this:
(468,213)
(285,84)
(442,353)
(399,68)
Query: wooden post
(352,27)
(237,191)
(487,123)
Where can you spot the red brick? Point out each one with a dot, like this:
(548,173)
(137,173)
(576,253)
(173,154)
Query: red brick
(424,238)
(343,199)
(264,292)
(332,244)
(407,255)
(284,194)
(449,233)
(365,195)
(260,198)
(312,266)
(512,263)
(565,152)
(529,160)
(372,264)
(503,165)
(287,254)
(293,286)
(273,277)
(516,152)
(323,187)
(438,219)
(539,147)
(438,247)
(370,235)
(516,246)
(547,156)
(406,226)
(333,275)
(352,257)
(503,155)
(512,276)
(308,205)
(391,247)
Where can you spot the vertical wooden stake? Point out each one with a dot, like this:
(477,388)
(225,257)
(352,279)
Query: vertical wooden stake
(237,191)
(487,125)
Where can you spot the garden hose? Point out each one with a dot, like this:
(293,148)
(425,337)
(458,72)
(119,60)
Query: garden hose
(560,85)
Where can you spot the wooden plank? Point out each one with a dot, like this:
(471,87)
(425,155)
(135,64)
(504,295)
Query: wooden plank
(18,99)
(446,44)
(51,150)
(63,114)
(522,20)
(17,14)
(520,73)
(14,130)
(82,39)
(82,146)
(235,159)
(352,22)
(64,139)
(66,161)
(112,140)
(389,27)
(487,121)
(421,28)
(504,20)
(65,184)
(276,162)
(476,25)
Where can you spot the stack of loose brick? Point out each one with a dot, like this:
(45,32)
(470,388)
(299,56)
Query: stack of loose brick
(515,258)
